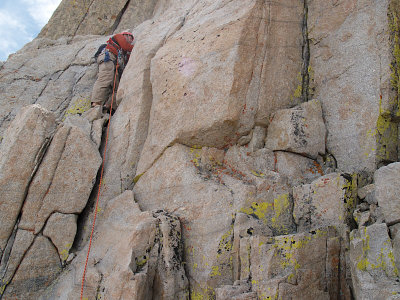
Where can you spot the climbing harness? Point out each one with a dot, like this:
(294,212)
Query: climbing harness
(114,44)
(100,183)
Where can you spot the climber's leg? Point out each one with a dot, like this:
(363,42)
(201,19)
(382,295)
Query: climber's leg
(104,83)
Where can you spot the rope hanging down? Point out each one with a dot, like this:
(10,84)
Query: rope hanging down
(100,184)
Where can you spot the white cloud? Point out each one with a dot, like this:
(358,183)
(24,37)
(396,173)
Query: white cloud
(9,20)
(41,10)
(14,33)
(21,21)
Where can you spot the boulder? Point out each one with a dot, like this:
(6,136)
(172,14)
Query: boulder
(387,187)
(64,180)
(367,193)
(282,267)
(34,126)
(328,200)
(206,54)
(365,190)
(258,163)
(61,230)
(373,268)
(300,130)
(363,218)
(299,169)
(12,259)
(39,267)
(225,56)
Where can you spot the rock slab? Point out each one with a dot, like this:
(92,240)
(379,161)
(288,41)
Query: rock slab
(387,187)
(21,151)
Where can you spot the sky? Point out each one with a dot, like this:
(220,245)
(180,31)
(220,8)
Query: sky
(21,21)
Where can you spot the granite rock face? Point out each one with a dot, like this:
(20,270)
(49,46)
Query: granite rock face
(19,163)
(354,75)
(213,54)
(61,230)
(374,272)
(214,203)
(56,74)
(300,130)
(87,17)
(250,138)
(135,255)
(38,269)
(387,191)
(51,181)
(329,200)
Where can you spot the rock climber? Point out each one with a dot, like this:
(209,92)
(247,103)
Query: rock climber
(117,50)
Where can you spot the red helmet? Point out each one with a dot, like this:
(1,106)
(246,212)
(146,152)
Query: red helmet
(128,33)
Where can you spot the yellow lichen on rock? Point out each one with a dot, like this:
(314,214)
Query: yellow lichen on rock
(78,107)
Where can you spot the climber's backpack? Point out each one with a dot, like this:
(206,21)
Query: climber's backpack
(102,46)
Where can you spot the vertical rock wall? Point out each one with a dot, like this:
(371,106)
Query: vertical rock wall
(354,75)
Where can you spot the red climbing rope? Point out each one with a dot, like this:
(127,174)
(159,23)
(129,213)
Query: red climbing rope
(100,184)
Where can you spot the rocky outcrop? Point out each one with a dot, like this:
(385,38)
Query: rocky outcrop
(135,255)
(351,66)
(39,267)
(300,130)
(64,180)
(201,56)
(387,191)
(86,17)
(374,272)
(282,268)
(56,74)
(18,164)
(329,200)
(54,179)
(250,138)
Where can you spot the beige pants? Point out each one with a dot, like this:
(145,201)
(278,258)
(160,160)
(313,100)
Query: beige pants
(103,87)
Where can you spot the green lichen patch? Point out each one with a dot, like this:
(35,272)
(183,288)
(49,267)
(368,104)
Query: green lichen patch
(394,27)
(276,213)
(384,259)
(389,116)
(141,262)
(350,193)
(223,265)
(386,139)
(206,293)
(136,179)
(65,252)
(304,90)
(78,107)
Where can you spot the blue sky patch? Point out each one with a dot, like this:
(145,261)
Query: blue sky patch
(21,21)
